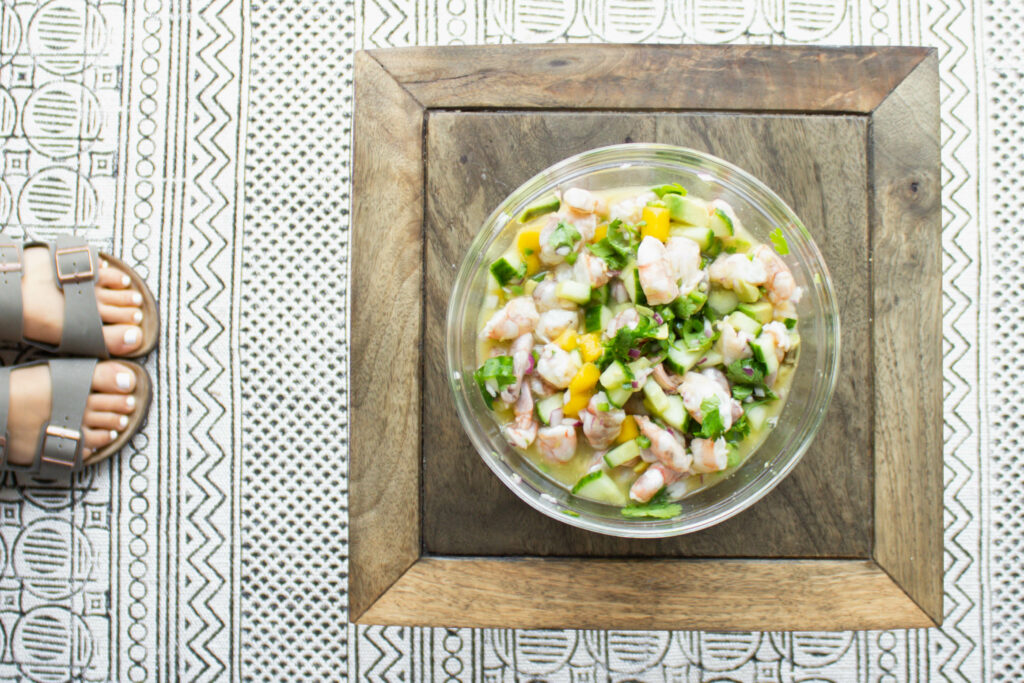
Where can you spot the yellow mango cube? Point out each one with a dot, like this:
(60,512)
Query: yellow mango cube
(576,403)
(528,242)
(585,379)
(601,232)
(533,264)
(656,223)
(629,430)
(568,340)
(590,347)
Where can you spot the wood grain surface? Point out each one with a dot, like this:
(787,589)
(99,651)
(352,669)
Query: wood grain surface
(385,424)
(907,332)
(818,165)
(653,594)
(733,77)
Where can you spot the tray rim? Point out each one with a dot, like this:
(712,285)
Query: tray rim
(391,581)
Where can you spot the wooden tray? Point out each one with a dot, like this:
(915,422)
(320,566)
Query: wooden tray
(848,137)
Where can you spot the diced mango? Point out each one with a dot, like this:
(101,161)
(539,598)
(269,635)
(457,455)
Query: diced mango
(642,467)
(528,242)
(601,232)
(576,403)
(629,430)
(533,264)
(656,223)
(590,347)
(568,340)
(585,379)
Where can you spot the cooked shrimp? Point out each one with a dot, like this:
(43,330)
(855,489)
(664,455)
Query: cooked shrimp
(591,269)
(732,343)
(558,442)
(666,379)
(628,317)
(553,323)
(631,210)
(783,342)
(656,274)
(664,445)
(581,202)
(523,430)
(522,360)
(540,388)
(557,366)
(779,280)
(684,257)
(709,456)
(548,255)
(785,309)
(733,270)
(545,298)
(654,478)
(518,317)
(601,426)
(618,292)
(699,387)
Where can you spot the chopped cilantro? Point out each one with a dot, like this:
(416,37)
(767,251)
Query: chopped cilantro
(741,392)
(528,252)
(493,376)
(691,331)
(564,236)
(603,406)
(712,426)
(571,257)
(516,290)
(671,188)
(657,507)
(748,371)
(734,456)
(643,442)
(779,241)
(685,306)
(790,323)
(641,337)
(571,513)
(740,430)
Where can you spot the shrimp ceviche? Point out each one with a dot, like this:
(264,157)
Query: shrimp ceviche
(637,344)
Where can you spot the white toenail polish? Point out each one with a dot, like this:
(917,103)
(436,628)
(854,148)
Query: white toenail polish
(126,281)
(137,317)
(124,379)
(131,337)
(123,421)
(113,435)
(137,299)
(130,401)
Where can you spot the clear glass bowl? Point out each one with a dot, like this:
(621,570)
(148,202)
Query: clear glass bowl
(761,211)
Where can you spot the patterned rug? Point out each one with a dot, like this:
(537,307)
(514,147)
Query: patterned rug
(208,143)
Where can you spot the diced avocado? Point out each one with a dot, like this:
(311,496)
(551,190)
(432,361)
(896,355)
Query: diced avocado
(701,235)
(659,402)
(505,271)
(747,292)
(548,405)
(721,224)
(599,487)
(571,290)
(722,301)
(680,359)
(614,376)
(545,205)
(764,351)
(596,318)
(743,323)
(757,416)
(687,210)
(622,454)
(619,395)
(761,311)
(711,359)
(662,332)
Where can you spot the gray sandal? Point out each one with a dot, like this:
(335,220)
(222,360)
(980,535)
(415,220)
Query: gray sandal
(60,441)
(76,267)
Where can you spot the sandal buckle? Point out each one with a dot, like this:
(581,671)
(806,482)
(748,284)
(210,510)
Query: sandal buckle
(78,274)
(9,264)
(62,433)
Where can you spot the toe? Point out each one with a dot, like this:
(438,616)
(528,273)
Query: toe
(98,438)
(114,278)
(120,314)
(113,378)
(119,297)
(122,339)
(104,420)
(111,403)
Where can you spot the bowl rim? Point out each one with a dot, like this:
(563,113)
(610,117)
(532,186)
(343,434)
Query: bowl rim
(643,527)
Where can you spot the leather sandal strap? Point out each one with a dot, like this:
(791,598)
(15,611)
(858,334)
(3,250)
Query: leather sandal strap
(10,291)
(5,406)
(60,444)
(76,267)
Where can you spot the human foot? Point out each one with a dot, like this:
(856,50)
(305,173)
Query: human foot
(119,303)
(108,411)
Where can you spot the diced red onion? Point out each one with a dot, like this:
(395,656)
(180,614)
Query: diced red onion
(530,367)
(614,273)
(635,385)
(634,353)
(708,331)
(701,361)
(577,423)
(657,318)
(749,372)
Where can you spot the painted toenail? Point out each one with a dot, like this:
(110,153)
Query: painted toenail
(126,281)
(136,298)
(123,421)
(124,381)
(131,337)
(113,435)
(130,401)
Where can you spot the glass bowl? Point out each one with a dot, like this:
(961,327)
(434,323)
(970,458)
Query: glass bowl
(761,211)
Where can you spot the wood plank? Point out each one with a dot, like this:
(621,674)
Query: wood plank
(734,77)
(907,333)
(386,298)
(656,594)
(823,509)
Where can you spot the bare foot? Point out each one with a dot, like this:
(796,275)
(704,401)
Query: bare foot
(108,410)
(120,304)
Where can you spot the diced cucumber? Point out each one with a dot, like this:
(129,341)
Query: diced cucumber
(757,416)
(722,301)
(571,290)
(662,332)
(702,236)
(548,405)
(638,366)
(680,359)
(743,323)
(711,359)
(615,375)
(529,286)
(596,318)
(630,280)
(600,295)
(761,311)
(675,415)
(659,402)
(619,395)
(687,209)
(507,269)
(721,224)
(622,453)
(764,351)
(735,245)
(638,290)
(545,205)
(600,487)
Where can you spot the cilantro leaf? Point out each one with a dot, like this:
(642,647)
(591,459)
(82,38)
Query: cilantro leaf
(685,306)
(691,331)
(657,507)
(671,188)
(494,375)
(734,456)
(741,392)
(740,430)
(604,250)
(627,338)
(623,238)
(779,241)
(564,236)
(712,426)
(748,371)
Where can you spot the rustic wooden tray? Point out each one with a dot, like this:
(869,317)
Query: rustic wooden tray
(848,137)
